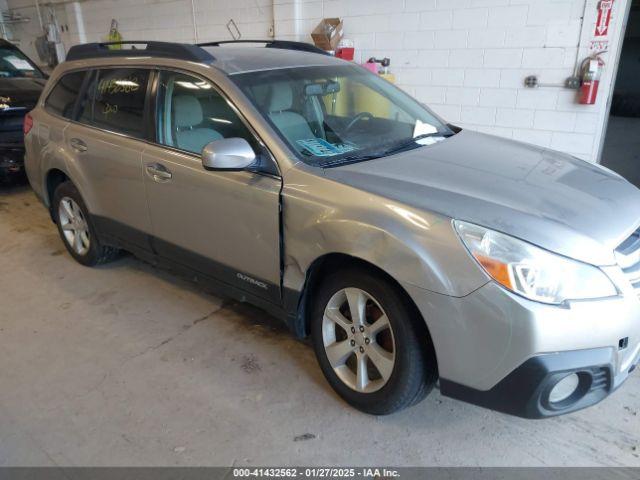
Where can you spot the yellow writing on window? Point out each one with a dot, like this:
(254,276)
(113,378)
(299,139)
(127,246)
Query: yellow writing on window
(108,108)
(113,85)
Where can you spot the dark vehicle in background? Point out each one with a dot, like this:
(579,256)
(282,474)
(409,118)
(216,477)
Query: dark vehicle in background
(21,83)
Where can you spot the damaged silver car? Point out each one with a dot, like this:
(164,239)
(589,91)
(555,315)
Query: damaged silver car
(411,251)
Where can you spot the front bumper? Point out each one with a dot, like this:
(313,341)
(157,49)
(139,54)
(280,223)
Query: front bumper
(526,392)
(501,351)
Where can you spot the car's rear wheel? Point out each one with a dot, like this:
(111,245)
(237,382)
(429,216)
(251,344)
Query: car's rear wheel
(76,228)
(370,343)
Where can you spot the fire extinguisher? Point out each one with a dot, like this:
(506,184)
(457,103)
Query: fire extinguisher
(591,71)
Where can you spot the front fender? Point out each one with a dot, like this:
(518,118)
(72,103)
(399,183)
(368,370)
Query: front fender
(322,216)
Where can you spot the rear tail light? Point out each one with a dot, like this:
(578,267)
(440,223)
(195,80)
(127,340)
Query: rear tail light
(28,123)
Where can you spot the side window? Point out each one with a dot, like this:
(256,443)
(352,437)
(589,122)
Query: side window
(84,109)
(191,114)
(62,99)
(118,101)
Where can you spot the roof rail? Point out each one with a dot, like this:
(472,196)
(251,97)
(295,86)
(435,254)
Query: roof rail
(181,51)
(282,44)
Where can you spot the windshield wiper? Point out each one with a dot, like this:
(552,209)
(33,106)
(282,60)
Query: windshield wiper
(411,142)
(352,159)
(397,148)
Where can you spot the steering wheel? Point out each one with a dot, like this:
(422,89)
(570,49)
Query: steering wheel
(359,117)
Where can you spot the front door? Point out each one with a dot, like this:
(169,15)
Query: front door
(224,224)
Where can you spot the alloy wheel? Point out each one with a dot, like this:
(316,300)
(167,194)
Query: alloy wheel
(74,226)
(358,340)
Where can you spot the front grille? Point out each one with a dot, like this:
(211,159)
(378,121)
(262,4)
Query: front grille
(628,257)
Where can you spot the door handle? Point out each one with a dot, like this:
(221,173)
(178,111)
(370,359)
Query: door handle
(158,172)
(78,145)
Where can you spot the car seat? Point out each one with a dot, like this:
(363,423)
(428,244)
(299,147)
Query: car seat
(188,117)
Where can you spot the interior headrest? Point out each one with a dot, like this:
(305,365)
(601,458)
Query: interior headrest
(281,97)
(187,111)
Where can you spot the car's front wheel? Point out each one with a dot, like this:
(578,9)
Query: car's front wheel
(370,343)
(76,228)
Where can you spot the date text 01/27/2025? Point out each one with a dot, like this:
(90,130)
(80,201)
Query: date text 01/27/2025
(316,472)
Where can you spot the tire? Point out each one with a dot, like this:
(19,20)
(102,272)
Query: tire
(69,209)
(397,385)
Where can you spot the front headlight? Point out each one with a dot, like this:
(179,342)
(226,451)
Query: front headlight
(533,272)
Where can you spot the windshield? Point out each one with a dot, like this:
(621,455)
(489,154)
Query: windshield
(340,114)
(14,64)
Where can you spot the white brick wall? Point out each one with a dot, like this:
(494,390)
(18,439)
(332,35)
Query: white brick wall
(170,20)
(465,58)
(468,59)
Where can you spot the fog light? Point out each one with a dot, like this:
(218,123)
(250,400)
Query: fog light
(564,388)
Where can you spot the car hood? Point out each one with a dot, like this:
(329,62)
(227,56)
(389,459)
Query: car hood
(21,92)
(547,198)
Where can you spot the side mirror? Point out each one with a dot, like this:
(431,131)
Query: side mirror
(228,154)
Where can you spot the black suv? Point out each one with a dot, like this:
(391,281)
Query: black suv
(21,83)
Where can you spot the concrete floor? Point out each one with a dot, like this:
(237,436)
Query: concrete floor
(128,365)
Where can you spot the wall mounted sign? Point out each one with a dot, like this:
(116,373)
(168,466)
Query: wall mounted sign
(604,18)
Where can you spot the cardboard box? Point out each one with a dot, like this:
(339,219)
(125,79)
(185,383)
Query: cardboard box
(328,33)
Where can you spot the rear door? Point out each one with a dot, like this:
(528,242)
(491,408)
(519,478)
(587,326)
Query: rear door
(105,146)
(224,224)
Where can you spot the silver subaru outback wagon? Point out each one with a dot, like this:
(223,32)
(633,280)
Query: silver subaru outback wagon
(409,250)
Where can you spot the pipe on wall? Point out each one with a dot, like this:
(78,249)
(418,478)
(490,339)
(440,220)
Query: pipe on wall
(273,18)
(39,15)
(195,25)
(77,12)
(576,68)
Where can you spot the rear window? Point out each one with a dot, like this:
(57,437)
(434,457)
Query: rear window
(14,64)
(62,99)
(119,101)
